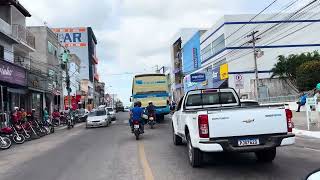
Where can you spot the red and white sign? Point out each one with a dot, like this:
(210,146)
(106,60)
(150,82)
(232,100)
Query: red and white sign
(238,81)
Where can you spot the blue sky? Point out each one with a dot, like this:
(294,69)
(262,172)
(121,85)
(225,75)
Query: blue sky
(134,35)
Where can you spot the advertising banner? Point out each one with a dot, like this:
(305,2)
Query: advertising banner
(12,73)
(224,72)
(70,37)
(198,77)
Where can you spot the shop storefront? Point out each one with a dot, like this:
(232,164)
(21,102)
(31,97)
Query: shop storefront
(13,82)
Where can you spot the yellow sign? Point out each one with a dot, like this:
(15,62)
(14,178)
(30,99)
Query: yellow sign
(224,72)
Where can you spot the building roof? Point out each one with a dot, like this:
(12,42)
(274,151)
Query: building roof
(16,4)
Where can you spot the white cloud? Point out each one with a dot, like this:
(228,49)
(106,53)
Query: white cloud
(133,35)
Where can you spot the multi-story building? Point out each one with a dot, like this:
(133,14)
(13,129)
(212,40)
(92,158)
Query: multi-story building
(16,42)
(99,97)
(179,66)
(45,71)
(82,42)
(226,47)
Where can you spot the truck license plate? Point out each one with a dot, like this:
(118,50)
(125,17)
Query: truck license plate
(248,142)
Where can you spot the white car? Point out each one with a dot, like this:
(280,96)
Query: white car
(112,113)
(213,120)
(98,118)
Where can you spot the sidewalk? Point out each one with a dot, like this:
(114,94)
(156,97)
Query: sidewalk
(301,126)
(300,121)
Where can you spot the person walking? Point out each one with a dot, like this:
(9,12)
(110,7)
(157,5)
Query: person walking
(302,101)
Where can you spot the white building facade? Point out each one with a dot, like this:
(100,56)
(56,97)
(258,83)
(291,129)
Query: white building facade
(227,43)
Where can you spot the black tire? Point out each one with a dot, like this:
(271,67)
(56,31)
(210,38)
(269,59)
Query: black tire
(266,155)
(195,155)
(177,140)
(151,126)
(136,133)
(27,136)
(35,136)
(6,144)
(18,139)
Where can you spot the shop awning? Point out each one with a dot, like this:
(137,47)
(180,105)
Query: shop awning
(17,91)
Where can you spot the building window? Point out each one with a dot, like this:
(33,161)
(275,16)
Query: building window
(52,49)
(213,48)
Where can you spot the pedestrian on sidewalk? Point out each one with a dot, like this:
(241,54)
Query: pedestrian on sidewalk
(302,101)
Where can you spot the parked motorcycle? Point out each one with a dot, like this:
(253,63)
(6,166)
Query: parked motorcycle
(22,130)
(31,130)
(13,134)
(5,142)
(35,125)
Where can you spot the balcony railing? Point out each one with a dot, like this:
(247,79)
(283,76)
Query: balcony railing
(23,34)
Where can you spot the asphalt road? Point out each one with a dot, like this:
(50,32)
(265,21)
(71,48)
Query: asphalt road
(113,153)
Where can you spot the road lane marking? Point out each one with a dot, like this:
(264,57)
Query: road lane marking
(144,162)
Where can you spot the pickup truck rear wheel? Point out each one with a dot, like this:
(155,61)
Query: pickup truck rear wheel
(177,140)
(266,155)
(195,155)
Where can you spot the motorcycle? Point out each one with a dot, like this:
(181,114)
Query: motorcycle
(31,130)
(151,120)
(70,121)
(5,143)
(136,129)
(34,123)
(12,133)
(56,121)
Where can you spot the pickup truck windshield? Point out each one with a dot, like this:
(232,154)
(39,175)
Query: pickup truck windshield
(211,98)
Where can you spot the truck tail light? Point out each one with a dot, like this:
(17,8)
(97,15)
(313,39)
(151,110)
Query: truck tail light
(203,126)
(289,120)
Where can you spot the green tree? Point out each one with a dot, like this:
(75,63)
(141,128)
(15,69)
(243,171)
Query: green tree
(308,75)
(286,67)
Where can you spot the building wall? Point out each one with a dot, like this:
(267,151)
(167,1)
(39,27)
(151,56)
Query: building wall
(8,49)
(241,60)
(17,17)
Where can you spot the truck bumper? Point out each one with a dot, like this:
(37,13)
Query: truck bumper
(229,145)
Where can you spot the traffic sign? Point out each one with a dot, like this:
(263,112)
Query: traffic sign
(238,81)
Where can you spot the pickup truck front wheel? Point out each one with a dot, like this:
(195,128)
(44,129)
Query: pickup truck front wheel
(266,155)
(177,140)
(195,155)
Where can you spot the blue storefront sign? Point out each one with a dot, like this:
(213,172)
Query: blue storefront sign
(198,77)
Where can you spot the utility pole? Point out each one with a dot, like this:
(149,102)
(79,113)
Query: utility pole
(65,60)
(253,41)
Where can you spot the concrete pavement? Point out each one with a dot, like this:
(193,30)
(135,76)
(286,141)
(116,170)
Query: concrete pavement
(113,153)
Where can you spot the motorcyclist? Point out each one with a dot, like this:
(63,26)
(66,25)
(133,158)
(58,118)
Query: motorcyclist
(136,115)
(151,110)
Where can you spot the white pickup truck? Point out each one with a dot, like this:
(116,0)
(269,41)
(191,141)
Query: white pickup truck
(213,120)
